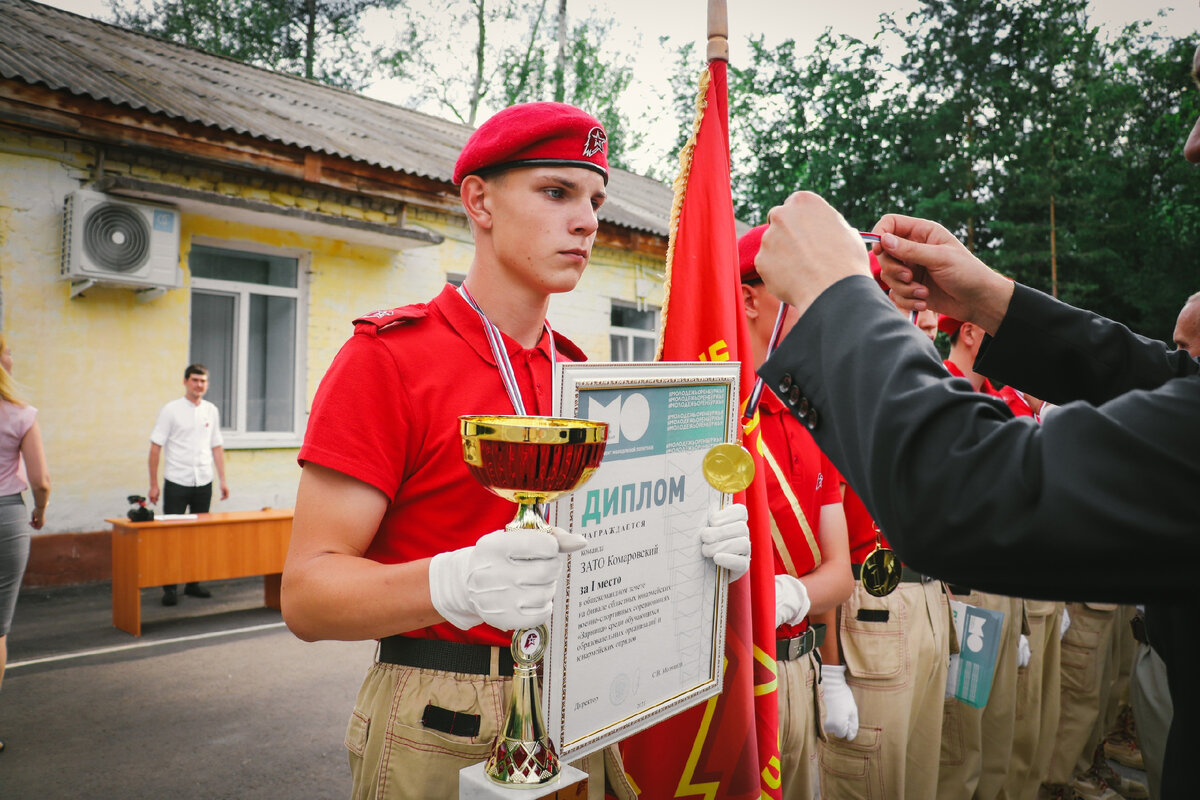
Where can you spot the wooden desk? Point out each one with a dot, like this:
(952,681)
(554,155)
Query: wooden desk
(212,547)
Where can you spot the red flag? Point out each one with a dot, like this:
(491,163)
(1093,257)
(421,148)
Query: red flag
(727,747)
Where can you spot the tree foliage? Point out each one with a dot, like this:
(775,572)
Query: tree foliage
(316,39)
(1052,149)
(463,57)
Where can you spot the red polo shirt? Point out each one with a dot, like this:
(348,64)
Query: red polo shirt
(1011,397)
(386,413)
(860,527)
(1016,402)
(800,479)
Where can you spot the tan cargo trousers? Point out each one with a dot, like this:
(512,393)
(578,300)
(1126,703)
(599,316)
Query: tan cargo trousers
(1087,674)
(896,669)
(1037,699)
(394,757)
(800,714)
(977,742)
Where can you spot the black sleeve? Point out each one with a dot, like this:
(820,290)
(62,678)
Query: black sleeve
(1060,353)
(1092,505)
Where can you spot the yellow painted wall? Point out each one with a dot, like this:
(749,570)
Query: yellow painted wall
(99,367)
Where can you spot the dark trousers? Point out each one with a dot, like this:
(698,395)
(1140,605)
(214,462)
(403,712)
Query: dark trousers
(179,499)
(186,499)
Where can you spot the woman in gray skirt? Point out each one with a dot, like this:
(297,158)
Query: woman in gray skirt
(19,437)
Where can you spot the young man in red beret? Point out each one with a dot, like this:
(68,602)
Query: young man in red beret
(812,560)
(392,538)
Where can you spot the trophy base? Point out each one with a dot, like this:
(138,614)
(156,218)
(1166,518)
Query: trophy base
(474,784)
(517,763)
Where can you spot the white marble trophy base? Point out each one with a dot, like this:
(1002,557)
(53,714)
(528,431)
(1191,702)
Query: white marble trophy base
(473,784)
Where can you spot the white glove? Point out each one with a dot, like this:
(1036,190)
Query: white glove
(726,539)
(506,579)
(1066,623)
(791,600)
(1024,653)
(841,712)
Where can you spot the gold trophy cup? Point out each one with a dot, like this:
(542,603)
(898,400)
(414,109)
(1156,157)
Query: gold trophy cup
(529,460)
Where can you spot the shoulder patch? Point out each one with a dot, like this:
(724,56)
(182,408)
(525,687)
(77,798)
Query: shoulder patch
(376,321)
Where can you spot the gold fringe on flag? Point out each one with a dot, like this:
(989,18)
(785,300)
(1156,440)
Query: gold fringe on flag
(680,189)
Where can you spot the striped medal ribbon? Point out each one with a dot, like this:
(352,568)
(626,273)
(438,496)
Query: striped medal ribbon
(503,364)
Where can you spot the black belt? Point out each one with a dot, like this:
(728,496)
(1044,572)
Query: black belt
(907,574)
(959,589)
(802,645)
(472,659)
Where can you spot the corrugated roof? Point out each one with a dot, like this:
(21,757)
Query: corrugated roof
(49,47)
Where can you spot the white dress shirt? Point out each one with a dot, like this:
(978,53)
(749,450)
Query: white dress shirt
(188,433)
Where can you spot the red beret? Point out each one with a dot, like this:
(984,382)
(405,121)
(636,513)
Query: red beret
(747,251)
(948,325)
(535,135)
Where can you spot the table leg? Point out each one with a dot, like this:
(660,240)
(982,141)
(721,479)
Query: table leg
(126,595)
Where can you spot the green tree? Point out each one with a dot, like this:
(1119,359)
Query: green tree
(1143,197)
(587,80)
(823,123)
(1050,148)
(316,39)
(513,54)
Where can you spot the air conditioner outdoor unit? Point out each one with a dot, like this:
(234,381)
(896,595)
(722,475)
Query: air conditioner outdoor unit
(116,242)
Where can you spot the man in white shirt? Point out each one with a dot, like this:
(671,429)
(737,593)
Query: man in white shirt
(190,430)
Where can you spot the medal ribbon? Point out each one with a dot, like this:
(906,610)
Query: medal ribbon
(500,354)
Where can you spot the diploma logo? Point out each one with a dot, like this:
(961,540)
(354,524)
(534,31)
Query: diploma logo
(628,416)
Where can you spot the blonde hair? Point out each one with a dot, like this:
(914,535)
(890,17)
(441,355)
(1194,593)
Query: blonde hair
(9,390)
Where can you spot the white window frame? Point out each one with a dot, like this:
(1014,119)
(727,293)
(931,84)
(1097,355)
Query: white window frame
(634,333)
(238,438)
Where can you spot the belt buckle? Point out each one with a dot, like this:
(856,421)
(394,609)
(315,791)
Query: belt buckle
(802,644)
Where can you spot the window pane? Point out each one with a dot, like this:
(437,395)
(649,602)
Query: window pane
(271,363)
(630,317)
(620,348)
(231,265)
(213,345)
(643,349)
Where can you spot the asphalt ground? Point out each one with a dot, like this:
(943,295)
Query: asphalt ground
(216,699)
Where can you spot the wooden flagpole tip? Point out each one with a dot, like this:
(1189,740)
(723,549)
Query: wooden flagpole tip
(718,48)
(718,30)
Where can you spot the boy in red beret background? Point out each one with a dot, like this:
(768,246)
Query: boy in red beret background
(392,538)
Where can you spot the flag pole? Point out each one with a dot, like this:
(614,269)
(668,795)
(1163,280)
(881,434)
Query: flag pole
(718,30)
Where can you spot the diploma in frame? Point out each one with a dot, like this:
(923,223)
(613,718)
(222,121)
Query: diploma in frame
(638,631)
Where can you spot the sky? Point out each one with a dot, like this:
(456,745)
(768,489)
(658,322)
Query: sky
(640,23)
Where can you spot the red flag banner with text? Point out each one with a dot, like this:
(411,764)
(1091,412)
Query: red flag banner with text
(727,747)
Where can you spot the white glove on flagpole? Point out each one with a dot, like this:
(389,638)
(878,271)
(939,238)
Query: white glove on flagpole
(841,712)
(726,539)
(791,600)
(1066,623)
(506,579)
(1024,652)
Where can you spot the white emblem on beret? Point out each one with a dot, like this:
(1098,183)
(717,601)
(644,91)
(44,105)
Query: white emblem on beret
(596,139)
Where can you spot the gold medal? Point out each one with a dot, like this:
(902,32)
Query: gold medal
(728,468)
(881,570)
